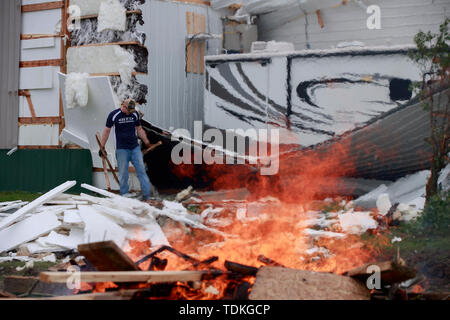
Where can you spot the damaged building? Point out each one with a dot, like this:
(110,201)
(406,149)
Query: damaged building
(227,64)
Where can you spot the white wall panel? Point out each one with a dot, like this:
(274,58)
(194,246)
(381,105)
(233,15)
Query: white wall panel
(42,22)
(38,135)
(37,78)
(40,49)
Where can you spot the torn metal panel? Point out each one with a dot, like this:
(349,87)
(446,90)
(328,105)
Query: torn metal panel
(312,96)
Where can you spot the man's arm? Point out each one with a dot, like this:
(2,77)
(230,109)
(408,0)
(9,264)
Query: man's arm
(105,136)
(141,134)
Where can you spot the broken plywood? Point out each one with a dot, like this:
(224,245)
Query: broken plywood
(275,283)
(107,256)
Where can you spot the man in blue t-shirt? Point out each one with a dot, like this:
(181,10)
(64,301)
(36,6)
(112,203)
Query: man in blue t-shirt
(126,122)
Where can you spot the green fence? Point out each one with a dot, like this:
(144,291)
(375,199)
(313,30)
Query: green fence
(42,170)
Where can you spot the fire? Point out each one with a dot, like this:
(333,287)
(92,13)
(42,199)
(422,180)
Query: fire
(272,227)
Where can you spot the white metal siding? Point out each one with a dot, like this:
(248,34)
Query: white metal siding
(175,99)
(400,21)
(10,17)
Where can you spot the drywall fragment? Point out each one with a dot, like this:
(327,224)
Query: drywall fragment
(7,203)
(100,228)
(383,203)
(120,216)
(150,231)
(13,206)
(72,217)
(326,234)
(112,16)
(27,230)
(36,203)
(77,90)
(357,222)
(68,242)
(35,247)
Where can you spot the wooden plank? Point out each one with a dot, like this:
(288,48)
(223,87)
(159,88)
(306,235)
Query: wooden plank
(128,276)
(36,203)
(200,2)
(275,283)
(119,43)
(39,120)
(95,16)
(38,36)
(105,157)
(391,272)
(196,44)
(116,74)
(202,45)
(41,63)
(21,285)
(107,256)
(27,95)
(38,147)
(189,49)
(42,6)
(319,18)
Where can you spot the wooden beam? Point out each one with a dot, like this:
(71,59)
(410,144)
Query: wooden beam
(39,120)
(42,6)
(130,169)
(196,44)
(127,276)
(27,95)
(120,43)
(319,18)
(41,63)
(190,44)
(202,45)
(94,16)
(201,2)
(390,272)
(38,36)
(115,74)
(38,147)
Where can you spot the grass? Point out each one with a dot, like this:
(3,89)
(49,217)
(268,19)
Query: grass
(18,195)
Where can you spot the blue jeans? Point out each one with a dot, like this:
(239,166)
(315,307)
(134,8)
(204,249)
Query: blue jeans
(124,156)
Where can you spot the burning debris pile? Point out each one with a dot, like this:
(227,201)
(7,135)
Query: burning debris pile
(207,245)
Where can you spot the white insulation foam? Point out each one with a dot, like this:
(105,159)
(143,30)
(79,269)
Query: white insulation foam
(111,16)
(77,90)
(101,59)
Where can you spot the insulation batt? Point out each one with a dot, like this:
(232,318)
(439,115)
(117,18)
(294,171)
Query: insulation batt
(88,32)
(77,90)
(101,59)
(112,15)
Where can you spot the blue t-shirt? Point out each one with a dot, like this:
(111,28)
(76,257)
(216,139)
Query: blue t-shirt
(125,126)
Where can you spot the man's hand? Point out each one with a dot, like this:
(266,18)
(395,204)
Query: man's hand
(100,153)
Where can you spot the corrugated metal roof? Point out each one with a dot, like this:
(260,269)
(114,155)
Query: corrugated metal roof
(10,23)
(175,99)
